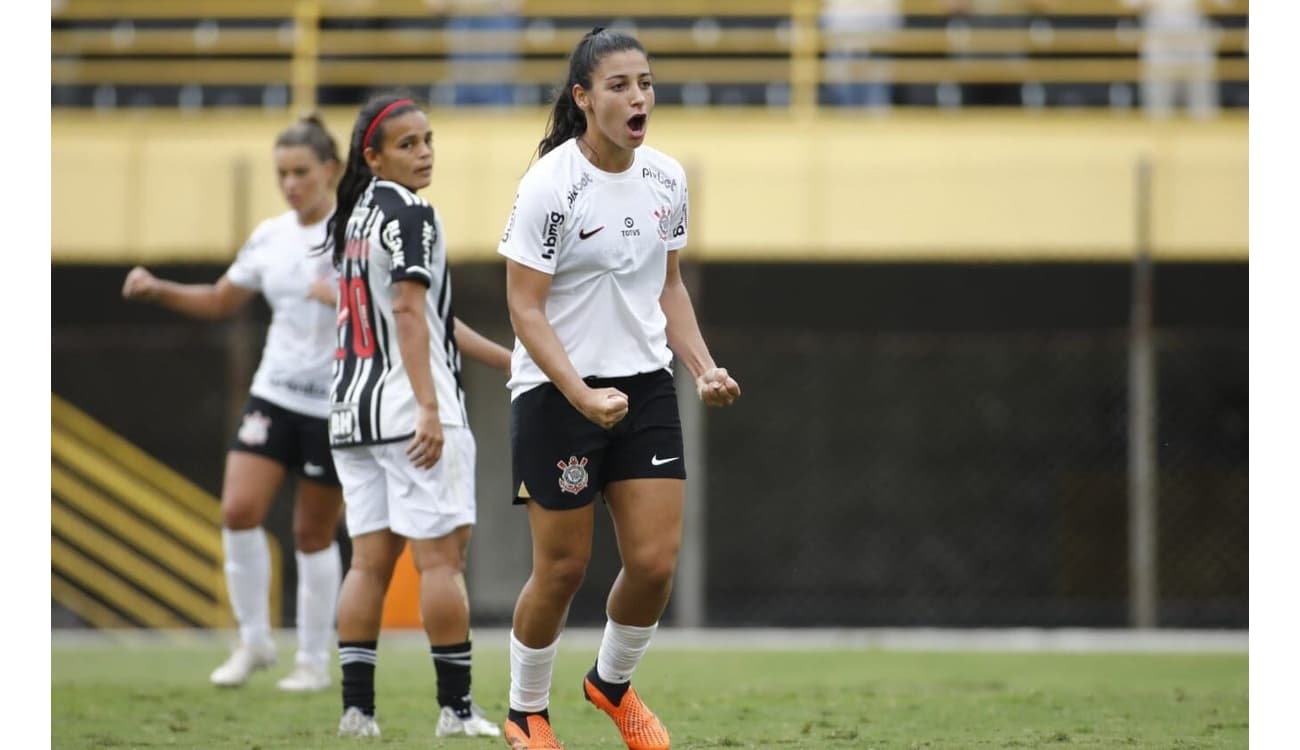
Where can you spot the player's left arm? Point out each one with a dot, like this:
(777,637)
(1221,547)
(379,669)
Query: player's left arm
(480,348)
(714,384)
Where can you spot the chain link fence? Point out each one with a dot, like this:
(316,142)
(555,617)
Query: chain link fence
(937,445)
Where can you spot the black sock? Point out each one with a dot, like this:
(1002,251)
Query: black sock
(452,662)
(358,661)
(520,718)
(614,691)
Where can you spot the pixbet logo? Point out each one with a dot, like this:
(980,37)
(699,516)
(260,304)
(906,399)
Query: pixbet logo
(577,188)
(551,234)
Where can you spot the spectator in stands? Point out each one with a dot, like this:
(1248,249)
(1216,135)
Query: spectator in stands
(852,28)
(1179,54)
(470,54)
(398,428)
(284,422)
(599,308)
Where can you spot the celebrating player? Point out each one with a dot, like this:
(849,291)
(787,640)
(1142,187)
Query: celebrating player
(598,307)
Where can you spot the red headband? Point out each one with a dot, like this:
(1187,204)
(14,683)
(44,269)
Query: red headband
(365,142)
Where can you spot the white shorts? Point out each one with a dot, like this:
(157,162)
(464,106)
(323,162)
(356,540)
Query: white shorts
(382,489)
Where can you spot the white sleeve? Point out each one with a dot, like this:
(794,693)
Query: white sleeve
(536,228)
(680,218)
(246,271)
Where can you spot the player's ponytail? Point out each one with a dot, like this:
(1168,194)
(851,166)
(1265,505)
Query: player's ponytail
(367,131)
(567,120)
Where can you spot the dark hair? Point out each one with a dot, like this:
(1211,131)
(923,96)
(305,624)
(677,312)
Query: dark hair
(567,120)
(356,174)
(309,131)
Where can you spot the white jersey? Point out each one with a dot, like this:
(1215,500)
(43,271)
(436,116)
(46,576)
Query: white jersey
(279,261)
(605,239)
(392,235)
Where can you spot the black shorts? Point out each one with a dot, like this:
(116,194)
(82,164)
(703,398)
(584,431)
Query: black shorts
(299,442)
(561,459)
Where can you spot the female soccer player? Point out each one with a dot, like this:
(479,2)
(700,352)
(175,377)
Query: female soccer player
(597,303)
(398,427)
(283,427)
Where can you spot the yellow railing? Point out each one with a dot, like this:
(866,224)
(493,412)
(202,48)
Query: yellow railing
(133,542)
(785,43)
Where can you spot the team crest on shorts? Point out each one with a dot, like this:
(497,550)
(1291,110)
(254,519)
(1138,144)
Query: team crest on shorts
(573,475)
(255,429)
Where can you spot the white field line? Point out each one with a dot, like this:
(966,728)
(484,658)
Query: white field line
(1060,640)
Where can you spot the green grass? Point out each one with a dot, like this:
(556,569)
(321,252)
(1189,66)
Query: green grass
(127,697)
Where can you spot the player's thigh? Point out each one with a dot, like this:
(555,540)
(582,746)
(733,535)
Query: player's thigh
(649,445)
(248,489)
(376,552)
(316,510)
(647,515)
(431,503)
(448,551)
(365,489)
(263,448)
(318,499)
(557,455)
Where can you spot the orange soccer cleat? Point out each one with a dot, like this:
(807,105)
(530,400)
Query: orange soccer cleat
(640,728)
(534,734)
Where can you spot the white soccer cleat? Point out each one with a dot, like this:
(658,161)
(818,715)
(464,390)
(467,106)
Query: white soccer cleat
(356,724)
(305,678)
(451,725)
(243,661)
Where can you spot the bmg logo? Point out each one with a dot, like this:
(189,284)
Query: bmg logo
(551,234)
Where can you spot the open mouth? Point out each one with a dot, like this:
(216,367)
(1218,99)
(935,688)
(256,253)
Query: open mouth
(636,125)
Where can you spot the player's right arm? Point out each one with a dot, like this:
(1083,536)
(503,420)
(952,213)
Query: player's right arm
(208,301)
(531,245)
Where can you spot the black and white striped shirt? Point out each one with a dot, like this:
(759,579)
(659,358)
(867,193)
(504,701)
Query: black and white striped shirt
(392,235)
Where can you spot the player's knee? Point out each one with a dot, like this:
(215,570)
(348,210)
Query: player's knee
(564,575)
(240,516)
(652,567)
(312,534)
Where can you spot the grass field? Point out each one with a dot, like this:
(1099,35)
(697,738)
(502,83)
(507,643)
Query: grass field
(125,697)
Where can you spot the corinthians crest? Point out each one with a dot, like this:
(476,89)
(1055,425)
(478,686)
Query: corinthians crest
(573,475)
(254,429)
(664,215)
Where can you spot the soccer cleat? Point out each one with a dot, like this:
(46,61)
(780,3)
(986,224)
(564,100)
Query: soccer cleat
(640,728)
(477,725)
(356,724)
(304,678)
(536,736)
(243,661)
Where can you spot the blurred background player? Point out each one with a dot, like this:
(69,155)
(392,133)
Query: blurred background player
(597,302)
(283,428)
(398,425)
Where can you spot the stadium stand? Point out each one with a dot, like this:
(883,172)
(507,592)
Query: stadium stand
(271,53)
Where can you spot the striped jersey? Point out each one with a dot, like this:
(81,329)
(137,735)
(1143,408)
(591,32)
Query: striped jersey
(392,235)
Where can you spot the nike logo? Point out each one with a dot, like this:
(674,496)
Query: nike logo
(656,461)
(584,234)
(312,470)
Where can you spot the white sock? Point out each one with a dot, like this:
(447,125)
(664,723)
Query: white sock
(319,576)
(248,580)
(530,675)
(621,650)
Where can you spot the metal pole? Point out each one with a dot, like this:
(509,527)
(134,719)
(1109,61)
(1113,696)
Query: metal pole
(690,588)
(1142,464)
(805,42)
(306,54)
